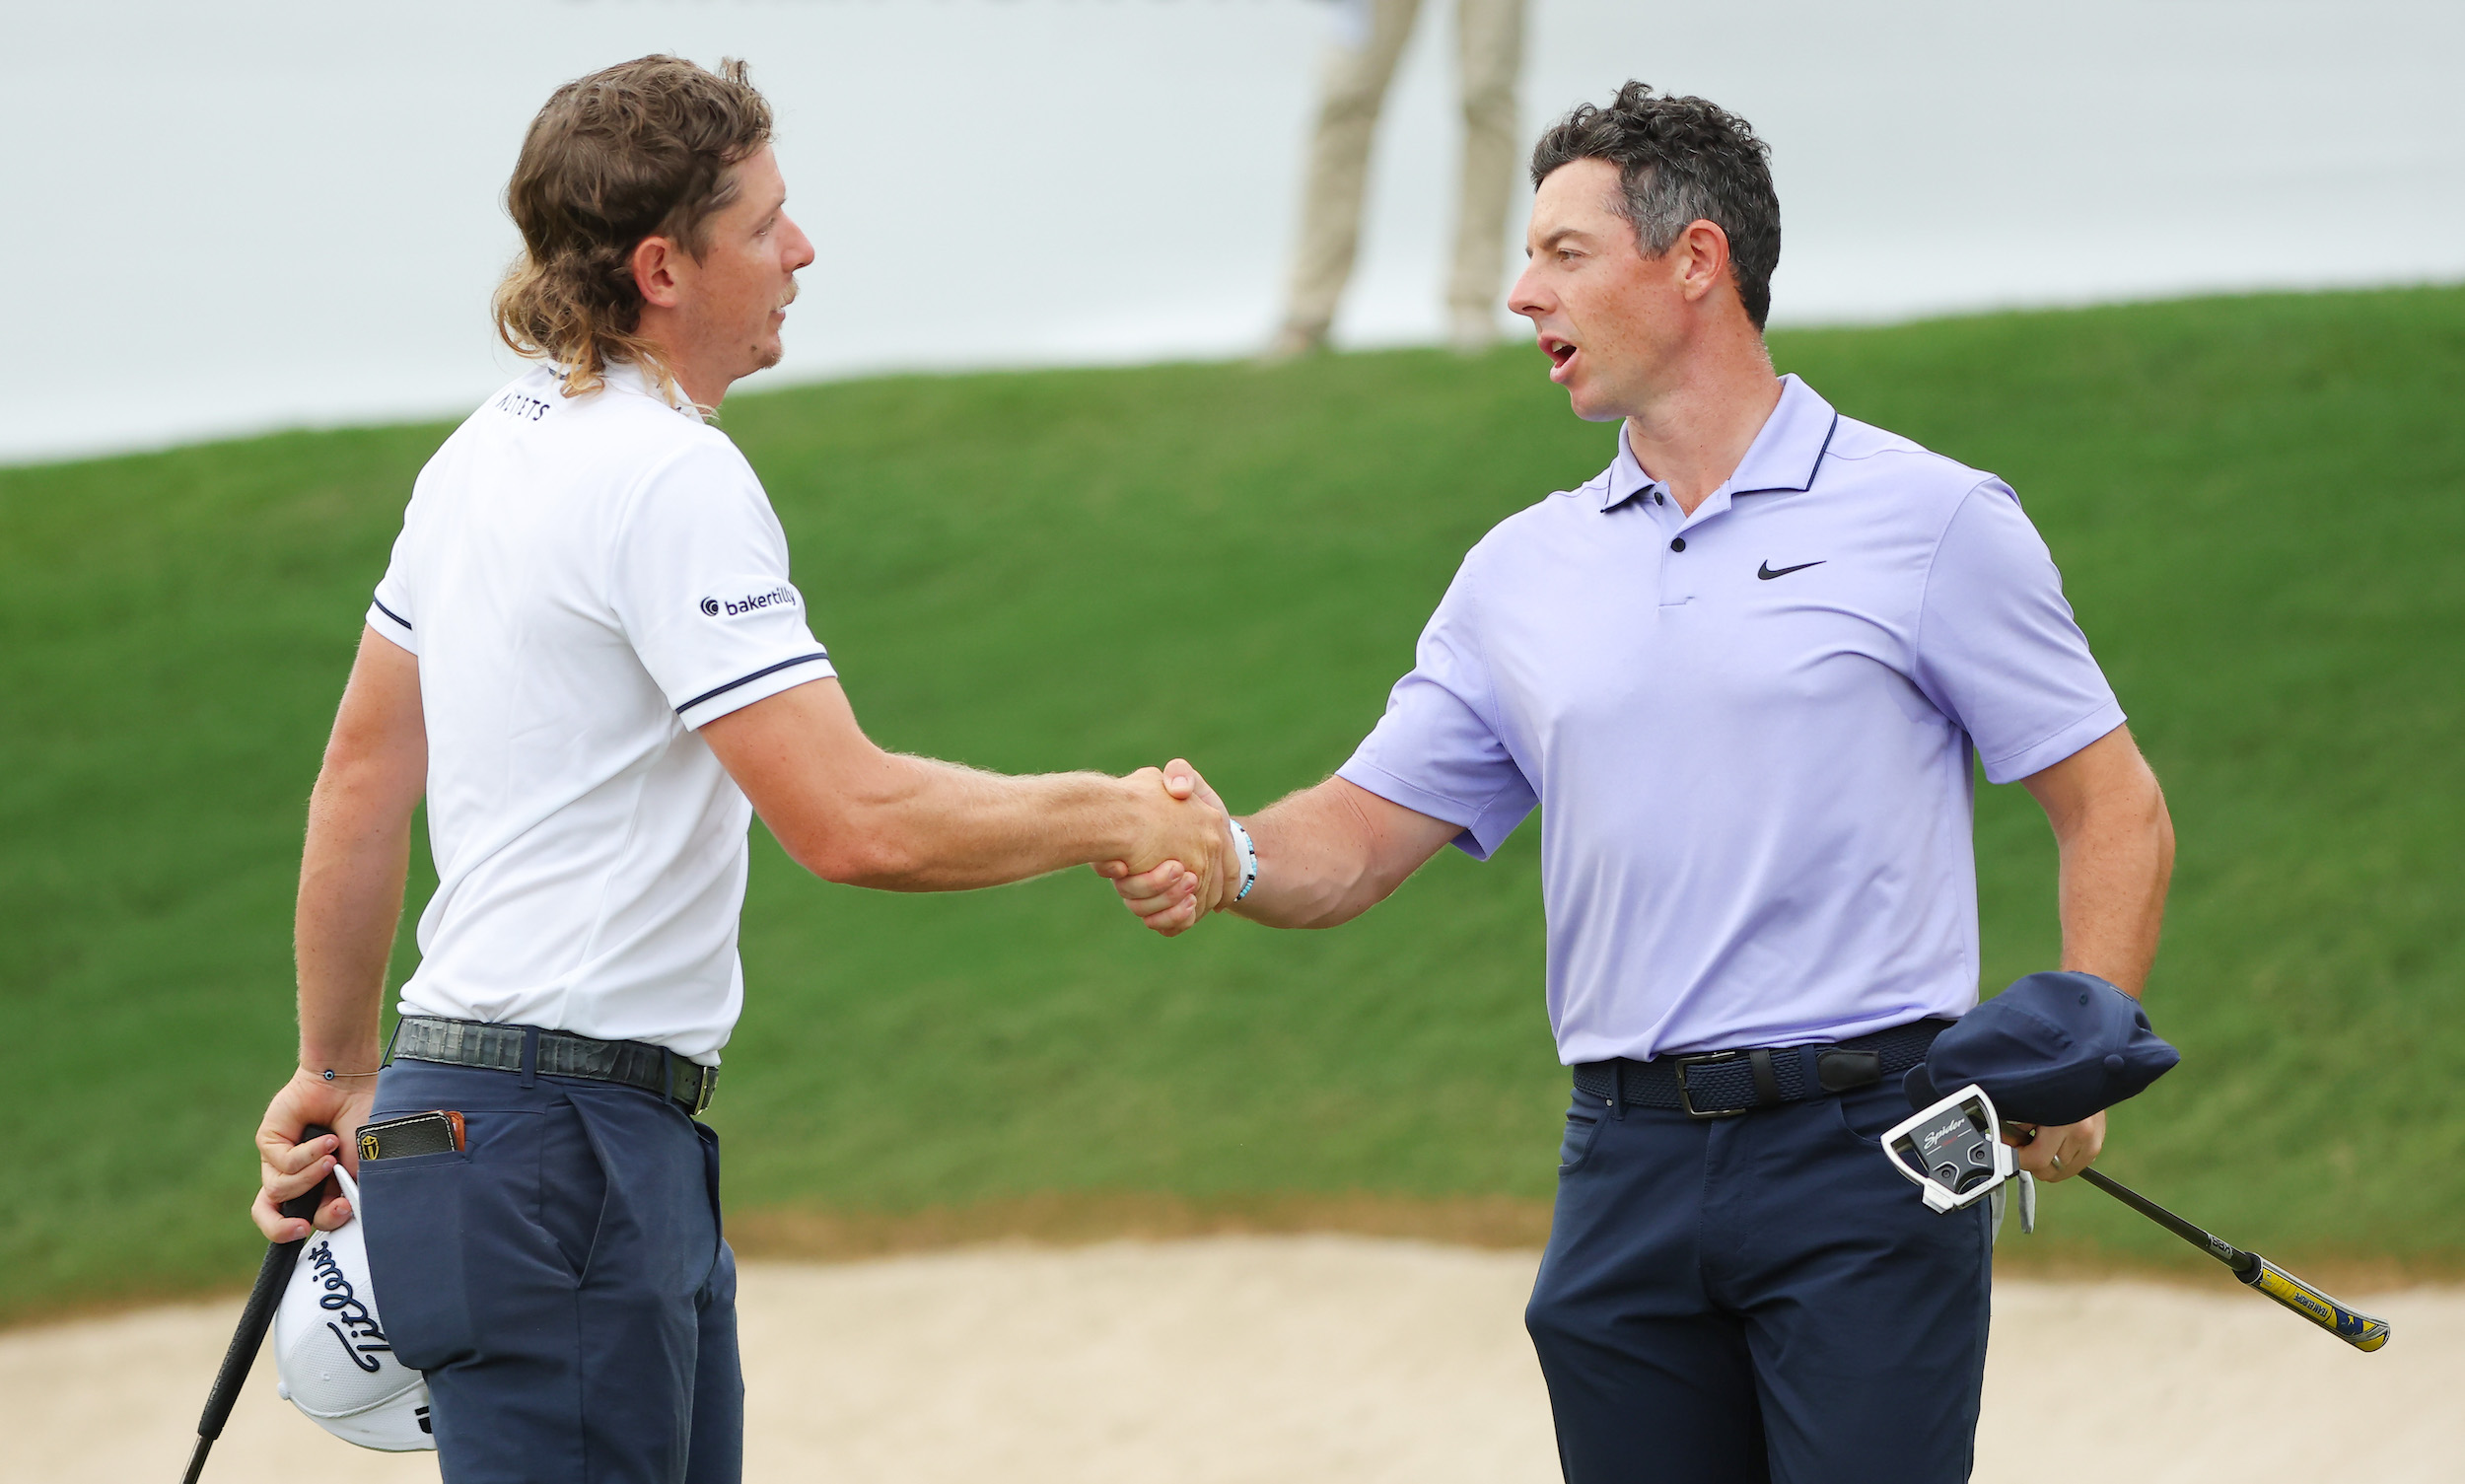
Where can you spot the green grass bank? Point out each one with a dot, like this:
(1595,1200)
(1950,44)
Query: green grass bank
(2258,505)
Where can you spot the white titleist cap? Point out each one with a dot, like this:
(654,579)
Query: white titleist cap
(336,1364)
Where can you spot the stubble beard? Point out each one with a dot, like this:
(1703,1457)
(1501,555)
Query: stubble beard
(776,345)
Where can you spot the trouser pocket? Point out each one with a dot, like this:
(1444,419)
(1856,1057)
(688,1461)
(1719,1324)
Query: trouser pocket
(437,1231)
(1583,1131)
(414,1210)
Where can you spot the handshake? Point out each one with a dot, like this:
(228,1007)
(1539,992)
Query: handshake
(1189,861)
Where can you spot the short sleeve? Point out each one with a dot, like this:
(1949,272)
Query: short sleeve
(389,610)
(1435,750)
(699,580)
(1998,649)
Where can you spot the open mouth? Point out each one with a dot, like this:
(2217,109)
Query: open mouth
(1560,352)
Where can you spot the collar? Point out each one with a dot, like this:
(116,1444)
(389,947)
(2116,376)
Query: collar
(1784,456)
(636,376)
(635,379)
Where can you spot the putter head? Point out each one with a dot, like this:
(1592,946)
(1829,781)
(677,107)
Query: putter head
(1952,1149)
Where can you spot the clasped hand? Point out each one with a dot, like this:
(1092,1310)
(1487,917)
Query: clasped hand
(1171,894)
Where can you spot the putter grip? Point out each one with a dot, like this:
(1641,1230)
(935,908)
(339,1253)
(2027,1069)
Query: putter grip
(271,1275)
(256,1315)
(2358,1330)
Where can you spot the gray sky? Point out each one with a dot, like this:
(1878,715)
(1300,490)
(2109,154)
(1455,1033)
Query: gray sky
(245,215)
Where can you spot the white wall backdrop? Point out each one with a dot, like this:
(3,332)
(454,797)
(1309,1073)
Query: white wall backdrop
(259,213)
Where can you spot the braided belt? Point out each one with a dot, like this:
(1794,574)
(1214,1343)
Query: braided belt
(560,1053)
(1725,1084)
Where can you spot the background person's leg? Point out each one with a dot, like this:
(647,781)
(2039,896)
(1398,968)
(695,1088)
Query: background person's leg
(1647,1382)
(1356,73)
(1489,37)
(1865,1313)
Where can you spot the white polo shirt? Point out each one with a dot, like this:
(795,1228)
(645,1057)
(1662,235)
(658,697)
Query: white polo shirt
(1750,731)
(584,581)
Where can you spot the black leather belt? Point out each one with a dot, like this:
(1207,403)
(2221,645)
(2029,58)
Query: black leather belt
(558,1053)
(1725,1084)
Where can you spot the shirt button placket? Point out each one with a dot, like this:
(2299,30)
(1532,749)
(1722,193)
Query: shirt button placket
(1678,573)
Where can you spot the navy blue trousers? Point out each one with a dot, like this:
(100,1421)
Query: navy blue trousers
(1757,1299)
(562,1281)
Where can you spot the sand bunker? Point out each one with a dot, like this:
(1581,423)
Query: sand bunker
(1300,1360)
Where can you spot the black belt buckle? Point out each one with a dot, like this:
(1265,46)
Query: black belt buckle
(1686,1096)
(698,1097)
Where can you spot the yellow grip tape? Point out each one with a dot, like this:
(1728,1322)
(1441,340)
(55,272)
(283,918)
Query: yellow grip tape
(2362,1331)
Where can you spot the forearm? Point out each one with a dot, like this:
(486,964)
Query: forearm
(2116,863)
(357,855)
(1330,853)
(914,824)
(851,812)
(2117,846)
(352,872)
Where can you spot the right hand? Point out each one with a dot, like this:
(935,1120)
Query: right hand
(2056,1150)
(290,1166)
(1170,898)
(1184,838)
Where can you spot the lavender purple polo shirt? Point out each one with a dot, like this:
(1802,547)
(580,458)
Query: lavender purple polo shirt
(1752,729)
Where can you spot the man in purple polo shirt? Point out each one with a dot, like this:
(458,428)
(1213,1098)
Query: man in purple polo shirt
(1746,669)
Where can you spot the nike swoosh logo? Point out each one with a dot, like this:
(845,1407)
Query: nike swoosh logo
(1767,574)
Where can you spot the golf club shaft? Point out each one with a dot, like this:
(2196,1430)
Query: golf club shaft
(2223,1251)
(2356,1328)
(254,1316)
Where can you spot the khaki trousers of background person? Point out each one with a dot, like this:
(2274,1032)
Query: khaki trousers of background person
(1489,37)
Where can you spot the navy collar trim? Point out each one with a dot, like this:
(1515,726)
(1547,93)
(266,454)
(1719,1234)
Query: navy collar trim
(1811,470)
(1754,465)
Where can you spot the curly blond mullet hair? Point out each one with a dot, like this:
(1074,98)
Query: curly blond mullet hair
(641,149)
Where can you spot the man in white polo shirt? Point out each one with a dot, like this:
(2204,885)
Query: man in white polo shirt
(587,655)
(1747,670)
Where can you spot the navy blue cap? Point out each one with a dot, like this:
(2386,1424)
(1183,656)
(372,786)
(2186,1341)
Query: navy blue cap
(2053,1048)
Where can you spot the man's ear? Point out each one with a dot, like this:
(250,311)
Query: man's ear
(655,271)
(1702,252)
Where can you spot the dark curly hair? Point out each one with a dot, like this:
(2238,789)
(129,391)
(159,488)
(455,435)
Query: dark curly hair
(1681,161)
(637,150)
